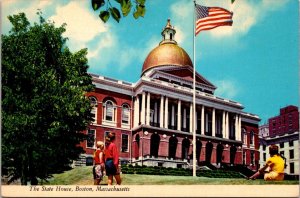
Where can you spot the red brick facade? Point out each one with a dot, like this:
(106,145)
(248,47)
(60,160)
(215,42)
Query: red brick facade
(286,122)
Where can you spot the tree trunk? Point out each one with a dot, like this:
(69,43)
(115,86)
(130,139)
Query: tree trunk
(24,174)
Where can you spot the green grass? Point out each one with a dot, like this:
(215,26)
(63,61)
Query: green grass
(83,176)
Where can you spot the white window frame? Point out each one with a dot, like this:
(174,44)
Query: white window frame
(94,130)
(127,150)
(123,124)
(244,132)
(114,114)
(252,135)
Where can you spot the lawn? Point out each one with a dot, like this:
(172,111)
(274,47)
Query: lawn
(83,176)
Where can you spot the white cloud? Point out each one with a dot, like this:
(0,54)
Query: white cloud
(106,42)
(30,8)
(226,88)
(181,19)
(82,25)
(246,15)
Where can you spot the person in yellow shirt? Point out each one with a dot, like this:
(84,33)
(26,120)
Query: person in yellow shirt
(276,165)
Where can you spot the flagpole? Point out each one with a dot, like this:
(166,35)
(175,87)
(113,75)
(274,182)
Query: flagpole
(194,97)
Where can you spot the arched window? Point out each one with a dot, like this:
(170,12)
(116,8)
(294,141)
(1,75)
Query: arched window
(109,113)
(125,116)
(94,104)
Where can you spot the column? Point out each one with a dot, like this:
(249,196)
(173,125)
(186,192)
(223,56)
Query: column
(191,117)
(155,113)
(161,112)
(239,128)
(148,110)
(213,122)
(227,125)
(136,112)
(166,112)
(143,108)
(173,116)
(184,118)
(202,119)
(223,124)
(236,127)
(179,116)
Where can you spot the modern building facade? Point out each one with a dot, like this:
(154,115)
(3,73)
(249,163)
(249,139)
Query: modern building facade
(284,132)
(152,118)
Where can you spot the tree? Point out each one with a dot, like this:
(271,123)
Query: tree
(44,107)
(109,9)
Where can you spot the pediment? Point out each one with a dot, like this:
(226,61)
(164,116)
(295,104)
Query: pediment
(184,73)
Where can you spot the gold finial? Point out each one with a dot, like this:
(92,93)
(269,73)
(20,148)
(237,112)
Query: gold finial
(168,24)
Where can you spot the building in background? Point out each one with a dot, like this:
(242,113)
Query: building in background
(152,117)
(284,132)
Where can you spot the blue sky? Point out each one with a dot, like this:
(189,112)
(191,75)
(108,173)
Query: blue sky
(254,62)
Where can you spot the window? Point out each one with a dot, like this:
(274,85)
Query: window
(264,156)
(244,132)
(125,143)
(281,145)
(281,153)
(251,138)
(91,138)
(94,104)
(252,157)
(244,157)
(125,114)
(109,113)
(291,143)
(292,168)
(291,154)
(264,147)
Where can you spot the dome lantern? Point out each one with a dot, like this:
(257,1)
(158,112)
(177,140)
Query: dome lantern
(168,34)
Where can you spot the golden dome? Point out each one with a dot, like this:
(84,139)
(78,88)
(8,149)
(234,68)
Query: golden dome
(168,53)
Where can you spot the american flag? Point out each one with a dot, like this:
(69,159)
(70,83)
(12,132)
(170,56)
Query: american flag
(211,17)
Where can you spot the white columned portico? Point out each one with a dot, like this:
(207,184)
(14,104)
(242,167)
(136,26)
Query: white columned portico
(179,116)
(166,112)
(148,110)
(191,118)
(161,112)
(213,122)
(143,108)
(202,119)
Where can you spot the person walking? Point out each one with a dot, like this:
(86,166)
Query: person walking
(99,165)
(112,160)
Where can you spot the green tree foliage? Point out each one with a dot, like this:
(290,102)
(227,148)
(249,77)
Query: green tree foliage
(44,107)
(107,8)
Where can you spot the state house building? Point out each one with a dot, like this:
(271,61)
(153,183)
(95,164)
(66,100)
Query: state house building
(152,117)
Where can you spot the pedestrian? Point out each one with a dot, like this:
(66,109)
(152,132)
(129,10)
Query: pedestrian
(99,164)
(112,159)
(276,165)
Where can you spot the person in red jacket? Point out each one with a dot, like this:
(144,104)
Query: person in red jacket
(98,167)
(112,159)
